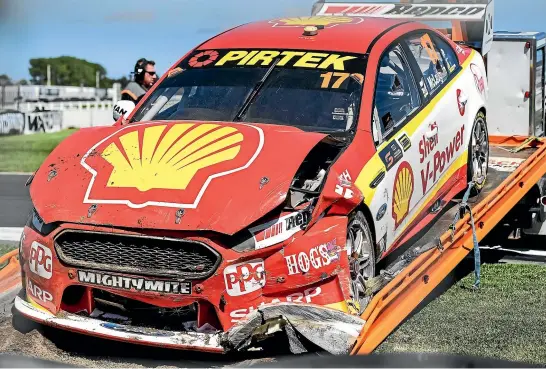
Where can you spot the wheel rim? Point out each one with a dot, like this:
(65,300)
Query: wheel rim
(480,152)
(361,265)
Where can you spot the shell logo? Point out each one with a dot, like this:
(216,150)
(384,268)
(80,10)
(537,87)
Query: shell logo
(402,193)
(154,164)
(326,21)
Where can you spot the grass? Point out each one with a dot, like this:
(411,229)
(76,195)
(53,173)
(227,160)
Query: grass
(505,319)
(4,249)
(25,153)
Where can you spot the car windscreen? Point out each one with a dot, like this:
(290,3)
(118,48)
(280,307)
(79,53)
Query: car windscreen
(315,91)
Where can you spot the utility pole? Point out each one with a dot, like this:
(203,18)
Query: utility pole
(18,95)
(49,75)
(97,79)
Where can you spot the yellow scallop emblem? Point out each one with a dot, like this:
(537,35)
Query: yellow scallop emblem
(312,21)
(169,159)
(403,190)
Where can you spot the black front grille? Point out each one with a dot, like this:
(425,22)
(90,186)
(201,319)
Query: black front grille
(137,255)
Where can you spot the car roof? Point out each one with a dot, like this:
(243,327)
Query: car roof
(340,34)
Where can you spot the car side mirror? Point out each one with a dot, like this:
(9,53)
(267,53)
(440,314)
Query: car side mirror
(123,108)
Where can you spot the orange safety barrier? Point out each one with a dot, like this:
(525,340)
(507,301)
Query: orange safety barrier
(408,289)
(10,275)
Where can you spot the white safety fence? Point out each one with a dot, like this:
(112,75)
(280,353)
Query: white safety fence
(34,117)
(27,107)
(89,118)
(12,234)
(12,94)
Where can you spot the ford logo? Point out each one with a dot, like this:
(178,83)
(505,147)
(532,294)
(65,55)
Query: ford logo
(381,212)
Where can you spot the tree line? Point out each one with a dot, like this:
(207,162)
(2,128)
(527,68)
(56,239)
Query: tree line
(65,71)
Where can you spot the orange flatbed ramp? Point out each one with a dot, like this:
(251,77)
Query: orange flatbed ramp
(505,188)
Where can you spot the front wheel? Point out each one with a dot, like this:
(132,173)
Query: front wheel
(478,154)
(360,250)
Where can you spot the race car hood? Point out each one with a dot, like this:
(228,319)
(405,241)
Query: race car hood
(170,175)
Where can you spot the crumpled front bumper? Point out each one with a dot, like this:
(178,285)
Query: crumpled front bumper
(331,330)
(118,332)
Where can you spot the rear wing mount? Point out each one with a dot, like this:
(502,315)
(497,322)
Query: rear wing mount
(471,20)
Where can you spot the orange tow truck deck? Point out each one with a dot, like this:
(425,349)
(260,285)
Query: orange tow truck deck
(519,164)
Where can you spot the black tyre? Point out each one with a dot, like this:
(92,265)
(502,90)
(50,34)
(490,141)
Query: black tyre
(361,253)
(6,302)
(478,154)
(19,322)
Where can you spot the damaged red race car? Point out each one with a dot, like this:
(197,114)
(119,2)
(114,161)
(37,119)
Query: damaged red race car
(256,186)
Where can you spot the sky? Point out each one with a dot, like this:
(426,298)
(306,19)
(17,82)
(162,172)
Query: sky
(115,33)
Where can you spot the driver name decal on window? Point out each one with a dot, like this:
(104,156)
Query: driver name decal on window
(265,58)
(435,59)
(426,43)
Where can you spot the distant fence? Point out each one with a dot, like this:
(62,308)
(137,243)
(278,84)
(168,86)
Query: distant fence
(54,116)
(32,109)
(60,105)
(43,121)
(12,122)
(13,95)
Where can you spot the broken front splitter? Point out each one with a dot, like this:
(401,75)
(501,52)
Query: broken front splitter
(330,330)
(119,332)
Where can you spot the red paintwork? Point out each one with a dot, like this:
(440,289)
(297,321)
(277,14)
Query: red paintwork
(247,202)
(290,288)
(353,37)
(230,203)
(463,52)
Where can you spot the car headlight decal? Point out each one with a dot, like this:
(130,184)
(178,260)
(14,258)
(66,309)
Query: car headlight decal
(36,223)
(267,233)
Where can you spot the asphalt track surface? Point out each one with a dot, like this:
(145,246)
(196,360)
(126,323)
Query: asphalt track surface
(14,200)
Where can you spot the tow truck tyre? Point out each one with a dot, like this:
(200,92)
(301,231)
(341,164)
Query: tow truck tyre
(360,250)
(478,154)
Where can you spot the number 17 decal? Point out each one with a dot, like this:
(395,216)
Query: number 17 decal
(341,77)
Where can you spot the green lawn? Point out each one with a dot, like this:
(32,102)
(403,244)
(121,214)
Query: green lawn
(25,153)
(4,249)
(505,319)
